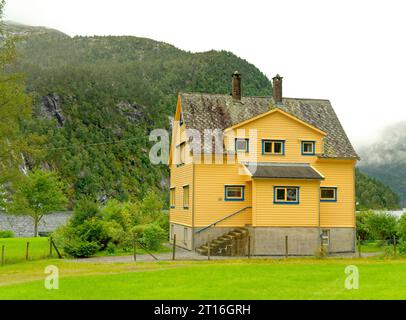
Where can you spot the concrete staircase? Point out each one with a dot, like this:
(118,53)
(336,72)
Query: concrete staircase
(233,243)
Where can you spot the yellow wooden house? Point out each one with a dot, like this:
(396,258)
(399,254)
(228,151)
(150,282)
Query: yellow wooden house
(279,171)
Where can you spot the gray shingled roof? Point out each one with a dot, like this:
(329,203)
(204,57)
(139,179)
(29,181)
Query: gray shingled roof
(219,111)
(283,171)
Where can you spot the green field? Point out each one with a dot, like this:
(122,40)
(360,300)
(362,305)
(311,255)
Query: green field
(15,249)
(234,279)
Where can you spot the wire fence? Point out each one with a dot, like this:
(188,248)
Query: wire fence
(15,250)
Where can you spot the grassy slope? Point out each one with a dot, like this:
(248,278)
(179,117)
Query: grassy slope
(243,279)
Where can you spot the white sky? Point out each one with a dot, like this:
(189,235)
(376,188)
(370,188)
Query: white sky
(351,52)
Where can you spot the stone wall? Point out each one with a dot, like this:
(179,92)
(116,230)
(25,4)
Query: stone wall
(23,226)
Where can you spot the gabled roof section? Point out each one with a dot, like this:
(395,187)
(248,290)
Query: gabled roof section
(274,110)
(219,111)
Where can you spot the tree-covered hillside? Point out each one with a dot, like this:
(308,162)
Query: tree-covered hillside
(89,91)
(373,194)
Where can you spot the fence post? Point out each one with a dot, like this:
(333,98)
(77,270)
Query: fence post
(286,247)
(249,247)
(56,249)
(50,247)
(27,250)
(2,255)
(208,250)
(394,245)
(134,248)
(174,247)
(359,246)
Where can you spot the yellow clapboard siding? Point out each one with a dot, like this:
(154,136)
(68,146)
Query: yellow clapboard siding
(210,205)
(181,176)
(277,126)
(304,214)
(338,174)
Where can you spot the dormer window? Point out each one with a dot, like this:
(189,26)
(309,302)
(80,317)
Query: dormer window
(308,148)
(180,119)
(276,147)
(241,145)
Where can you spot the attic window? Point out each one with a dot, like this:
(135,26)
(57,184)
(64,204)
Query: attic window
(241,145)
(308,148)
(181,119)
(273,147)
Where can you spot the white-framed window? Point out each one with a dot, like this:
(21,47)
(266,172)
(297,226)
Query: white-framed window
(273,147)
(186,197)
(172,197)
(286,195)
(242,144)
(182,153)
(308,148)
(328,194)
(234,193)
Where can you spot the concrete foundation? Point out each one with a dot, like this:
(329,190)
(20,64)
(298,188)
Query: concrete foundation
(301,241)
(271,240)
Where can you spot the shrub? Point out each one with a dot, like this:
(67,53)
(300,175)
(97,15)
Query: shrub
(401,227)
(153,237)
(6,234)
(85,209)
(78,248)
(402,248)
(111,248)
(381,225)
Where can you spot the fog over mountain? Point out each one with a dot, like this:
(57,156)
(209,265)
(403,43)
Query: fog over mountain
(386,158)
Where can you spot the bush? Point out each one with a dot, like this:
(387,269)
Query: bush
(153,237)
(402,248)
(401,227)
(378,226)
(78,248)
(6,234)
(85,209)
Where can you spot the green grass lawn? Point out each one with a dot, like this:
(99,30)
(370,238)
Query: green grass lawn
(234,279)
(374,246)
(15,249)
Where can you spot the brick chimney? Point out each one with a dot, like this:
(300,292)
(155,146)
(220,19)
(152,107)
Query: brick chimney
(277,89)
(236,86)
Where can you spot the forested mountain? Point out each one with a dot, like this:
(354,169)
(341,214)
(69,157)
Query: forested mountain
(91,91)
(371,193)
(386,159)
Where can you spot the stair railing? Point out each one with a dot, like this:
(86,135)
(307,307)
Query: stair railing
(222,219)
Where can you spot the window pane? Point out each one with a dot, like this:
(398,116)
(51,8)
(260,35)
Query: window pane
(308,147)
(291,194)
(280,194)
(234,192)
(267,147)
(241,145)
(277,147)
(327,193)
(172,197)
(186,196)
